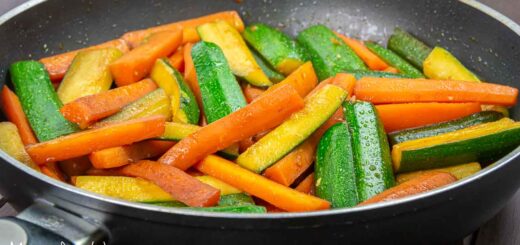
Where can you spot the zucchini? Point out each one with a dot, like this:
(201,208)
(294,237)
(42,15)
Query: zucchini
(482,143)
(273,75)
(225,189)
(408,47)
(381,74)
(183,103)
(11,143)
(371,151)
(442,65)
(238,55)
(394,60)
(39,100)
(221,94)
(282,53)
(328,53)
(281,140)
(459,171)
(444,127)
(334,168)
(88,74)
(238,199)
(234,209)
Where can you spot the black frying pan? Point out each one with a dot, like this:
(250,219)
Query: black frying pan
(483,39)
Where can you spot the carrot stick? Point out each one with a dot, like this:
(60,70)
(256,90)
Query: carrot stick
(307,185)
(14,112)
(420,184)
(136,64)
(58,65)
(190,75)
(251,93)
(372,60)
(76,166)
(342,80)
(280,196)
(303,79)
(87,110)
(51,169)
(264,113)
(189,26)
(179,184)
(401,116)
(397,90)
(85,142)
(177,59)
(123,155)
(391,69)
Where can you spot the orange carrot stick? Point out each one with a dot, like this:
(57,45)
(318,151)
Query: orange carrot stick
(307,185)
(58,65)
(76,166)
(136,64)
(264,113)
(123,155)
(14,112)
(281,196)
(372,60)
(85,142)
(420,184)
(52,170)
(401,116)
(177,59)
(391,69)
(189,26)
(190,75)
(303,79)
(251,92)
(180,185)
(397,90)
(87,110)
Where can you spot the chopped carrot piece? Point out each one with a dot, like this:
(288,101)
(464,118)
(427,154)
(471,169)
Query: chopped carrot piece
(190,75)
(303,79)
(123,155)
(372,60)
(307,185)
(76,166)
(251,92)
(51,169)
(177,59)
(391,70)
(14,112)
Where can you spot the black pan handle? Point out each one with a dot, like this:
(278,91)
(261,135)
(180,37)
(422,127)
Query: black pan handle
(44,224)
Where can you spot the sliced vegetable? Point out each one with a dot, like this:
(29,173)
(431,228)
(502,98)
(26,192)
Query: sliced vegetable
(303,79)
(240,59)
(371,60)
(307,185)
(76,166)
(225,189)
(361,74)
(88,74)
(39,100)
(442,65)
(394,60)
(251,92)
(328,53)
(14,112)
(409,47)
(85,142)
(11,143)
(52,170)
(177,59)
(482,143)
(458,171)
(273,75)
(236,199)
(235,209)
(190,75)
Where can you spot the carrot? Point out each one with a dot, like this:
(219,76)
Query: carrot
(87,110)
(420,184)
(177,59)
(180,185)
(303,79)
(123,155)
(307,185)
(264,113)
(280,196)
(58,65)
(190,75)
(104,172)
(76,166)
(251,92)
(136,64)
(401,116)
(85,142)
(189,26)
(51,169)
(14,112)
(391,69)
(342,80)
(397,90)
(372,60)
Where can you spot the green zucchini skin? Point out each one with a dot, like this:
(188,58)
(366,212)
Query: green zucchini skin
(334,168)
(39,100)
(444,127)
(252,209)
(238,199)
(273,75)
(328,53)
(372,159)
(188,101)
(409,47)
(221,94)
(381,74)
(394,60)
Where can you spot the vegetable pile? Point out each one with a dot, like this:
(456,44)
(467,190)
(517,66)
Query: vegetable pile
(212,115)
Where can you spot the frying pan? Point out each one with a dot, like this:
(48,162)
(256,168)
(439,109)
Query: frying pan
(486,41)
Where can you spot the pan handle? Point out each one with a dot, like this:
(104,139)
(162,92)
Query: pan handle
(45,224)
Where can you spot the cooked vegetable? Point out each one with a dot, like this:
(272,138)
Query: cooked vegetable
(11,143)
(221,94)
(84,111)
(235,209)
(190,75)
(136,64)
(404,116)
(225,189)
(14,112)
(361,74)
(273,75)
(177,59)
(272,192)
(458,171)
(240,59)
(75,166)
(423,183)
(276,47)
(302,79)
(371,151)
(389,90)
(88,74)
(52,170)
(236,199)
(58,65)
(334,169)
(264,113)
(371,60)
(394,60)
(328,53)
(482,143)
(442,65)
(408,47)
(444,127)
(83,143)
(39,100)
(270,148)
(251,92)
(307,185)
